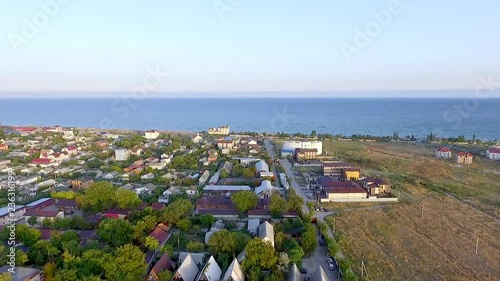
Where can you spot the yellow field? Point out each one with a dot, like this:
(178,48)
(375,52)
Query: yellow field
(396,243)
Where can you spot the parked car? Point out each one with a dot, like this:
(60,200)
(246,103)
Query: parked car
(322,209)
(303,270)
(326,210)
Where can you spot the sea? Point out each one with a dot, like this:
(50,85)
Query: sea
(445,117)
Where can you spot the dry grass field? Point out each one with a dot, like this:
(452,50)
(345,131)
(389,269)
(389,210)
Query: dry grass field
(396,243)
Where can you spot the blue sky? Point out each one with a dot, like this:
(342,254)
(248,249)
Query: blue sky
(255,45)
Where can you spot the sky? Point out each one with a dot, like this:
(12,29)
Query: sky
(165,46)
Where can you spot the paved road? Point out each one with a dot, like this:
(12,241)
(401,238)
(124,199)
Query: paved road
(319,257)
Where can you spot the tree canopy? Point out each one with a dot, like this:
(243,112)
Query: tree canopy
(102,195)
(277,205)
(244,200)
(116,232)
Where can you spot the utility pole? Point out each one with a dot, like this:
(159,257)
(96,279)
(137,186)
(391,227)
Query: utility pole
(422,215)
(477,242)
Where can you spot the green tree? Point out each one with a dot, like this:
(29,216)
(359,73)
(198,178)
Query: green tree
(165,275)
(195,246)
(184,224)
(277,205)
(313,134)
(282,263)
(116,232)
(98,197)
(21,257)
(127,264)
(308,239)
(222,242)
(49,271)
(259,254)
(295,252)
(151,243)
(207,220)
(32,220)
(295,202)
(178,210)
(224,174)
(5,276)
(242,240)
(244,200)
(126,199)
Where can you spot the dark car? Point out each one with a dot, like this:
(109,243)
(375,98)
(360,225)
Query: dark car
(321,242)
(303,270)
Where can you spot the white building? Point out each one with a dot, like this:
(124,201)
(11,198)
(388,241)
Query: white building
(151,135)
(122,154)
(8,214)
(442,153)
(197,139)
(223,130)
(493,153)
(292,145)
(266,232)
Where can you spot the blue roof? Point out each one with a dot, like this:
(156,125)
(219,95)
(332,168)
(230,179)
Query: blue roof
(39,201)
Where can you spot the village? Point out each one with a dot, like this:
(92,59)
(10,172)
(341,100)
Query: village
(215,205)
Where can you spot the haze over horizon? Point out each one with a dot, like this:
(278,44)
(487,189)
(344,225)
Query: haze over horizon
(284,46)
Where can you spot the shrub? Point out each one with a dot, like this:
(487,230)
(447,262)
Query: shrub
(193,246)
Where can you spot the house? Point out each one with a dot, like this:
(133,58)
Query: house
(142,190)
(221,144)
(204,177)
(376,186)
(342,190)
(261,166)
(211,271)
(122,154)
(71,150)
(306,154)
(151,135)
(320,275)
(187,271)
(22,273)
(223,130)
(265,188)
(42,162)
(351,174)
(334,168)
(294,273)
(4,147)
(102,143)
(148,176)
(165,263)
(160,233)
(197,139)
(111,176)
(137,151)
(66,205)
(82,183)
(493,153)
(226,166)
(442,153)
(464,158)
(158,206)
(266,232)
(292,145)
(234,272)
(41,214)
(253,226)
(6,216)
(115,214)
(212,157)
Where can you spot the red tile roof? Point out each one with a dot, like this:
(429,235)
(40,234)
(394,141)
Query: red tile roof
(444,149)
(159,234)
(466,154)
(158,206)
(41,213)
(41,161)
(494,150)
(165,263)
(345,187)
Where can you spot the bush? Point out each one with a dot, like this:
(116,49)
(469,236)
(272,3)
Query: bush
(193,246)
(345,265)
